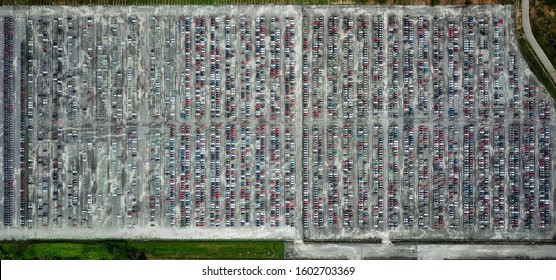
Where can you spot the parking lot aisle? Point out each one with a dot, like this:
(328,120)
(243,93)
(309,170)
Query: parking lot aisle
(454,181)
(394,178)
(23,104)
(363,177)
(409,178)
(260,31)
(499,209)
(19,132)
(44,133)
(230,67)
(32,125)
(438,85)
(378,176)
(393,66)
(349,213)
(409,93)
(438,204)
(118,119)
(469,68)
(514,193)
(293,120)
(59,192)
(468,199)
(423,167)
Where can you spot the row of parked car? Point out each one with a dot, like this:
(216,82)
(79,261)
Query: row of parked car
(9,119)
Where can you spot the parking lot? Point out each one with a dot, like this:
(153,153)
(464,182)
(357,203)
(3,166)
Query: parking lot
(313,122)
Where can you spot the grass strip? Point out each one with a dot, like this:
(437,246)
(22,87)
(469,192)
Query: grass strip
(129,250)
(536,67)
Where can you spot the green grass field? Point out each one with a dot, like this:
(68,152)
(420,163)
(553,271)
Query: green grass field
(124,250)
(543,24)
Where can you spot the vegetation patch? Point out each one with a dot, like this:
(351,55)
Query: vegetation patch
(123,250)
(536,66)
(543,24)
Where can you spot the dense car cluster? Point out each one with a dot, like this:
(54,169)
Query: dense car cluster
(447,138)
(324,122)
(8,90)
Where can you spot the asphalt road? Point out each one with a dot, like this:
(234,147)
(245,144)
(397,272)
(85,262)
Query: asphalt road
(534,44)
